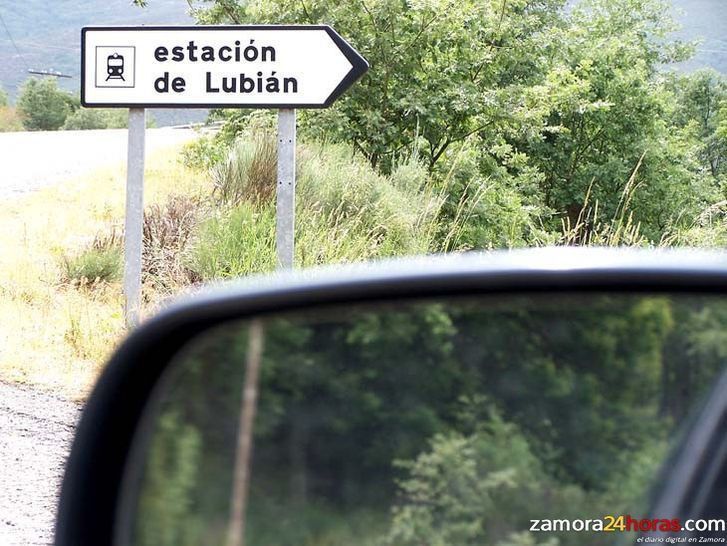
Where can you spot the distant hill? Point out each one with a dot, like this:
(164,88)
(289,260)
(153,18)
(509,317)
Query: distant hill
(47,35)
(705,20)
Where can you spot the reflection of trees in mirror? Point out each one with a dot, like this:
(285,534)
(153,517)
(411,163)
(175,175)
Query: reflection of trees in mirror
(446,423)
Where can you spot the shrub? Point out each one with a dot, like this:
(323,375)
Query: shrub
(102,261)
(349,212)
(346,211)
(85,118)
(90,118)
(248,173)
(44,107)
(471,489)
(118,118)
(482,488)
(236,243)
(485,211)
(708,230)
(167,230)
(94,266)
(205,153)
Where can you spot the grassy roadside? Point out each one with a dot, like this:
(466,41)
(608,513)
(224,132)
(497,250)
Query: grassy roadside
(60,299)
(60,265)
(55,334)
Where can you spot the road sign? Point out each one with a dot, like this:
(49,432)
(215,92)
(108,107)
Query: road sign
(260,66)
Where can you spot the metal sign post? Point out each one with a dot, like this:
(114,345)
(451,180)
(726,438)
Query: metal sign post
(134,216)
(285,206)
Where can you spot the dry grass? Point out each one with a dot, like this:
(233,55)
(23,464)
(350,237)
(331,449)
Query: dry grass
(53,334)
(10,119)
(167,230)
(590,229)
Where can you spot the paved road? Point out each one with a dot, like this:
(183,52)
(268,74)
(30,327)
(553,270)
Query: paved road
(32,160)
(35,434)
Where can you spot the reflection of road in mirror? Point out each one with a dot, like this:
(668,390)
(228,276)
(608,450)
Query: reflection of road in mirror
(444,422)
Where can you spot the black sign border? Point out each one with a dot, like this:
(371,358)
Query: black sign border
(359,66)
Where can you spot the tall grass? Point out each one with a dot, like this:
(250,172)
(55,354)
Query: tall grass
(345,211)
(235,242)
(249,171)
(590,229)
(348,212)
(708,230)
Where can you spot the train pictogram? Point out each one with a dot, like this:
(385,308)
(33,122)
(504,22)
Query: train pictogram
(115,67)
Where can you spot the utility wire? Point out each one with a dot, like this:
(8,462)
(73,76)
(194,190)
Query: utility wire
(5,26)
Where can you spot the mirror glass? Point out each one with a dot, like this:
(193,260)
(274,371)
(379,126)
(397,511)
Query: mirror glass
(426,423)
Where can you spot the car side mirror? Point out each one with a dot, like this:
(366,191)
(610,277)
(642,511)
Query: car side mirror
(480,399)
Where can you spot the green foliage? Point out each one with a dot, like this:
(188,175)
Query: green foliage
(313,524)
(84,118)
(100,262)
(441,70)
(346,211)
(94,265)
(485,486)
(349,212)
(556,114)
(604,112)
(92,118)
(488,211)
(44,107)
(3,98)
(237,243)
(708,230)
(702,105)
(478,488)
(172,476)
(444,422)
(248,173)
(204,153)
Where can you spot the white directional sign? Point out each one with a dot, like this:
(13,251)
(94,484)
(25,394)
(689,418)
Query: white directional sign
(261,66)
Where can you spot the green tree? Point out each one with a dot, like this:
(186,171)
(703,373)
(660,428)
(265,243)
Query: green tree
(478,488)
(546,107)
(43,105)
(606,114)
(171,479)
(85,118)
(441,70)
(90,118)
(701,99)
